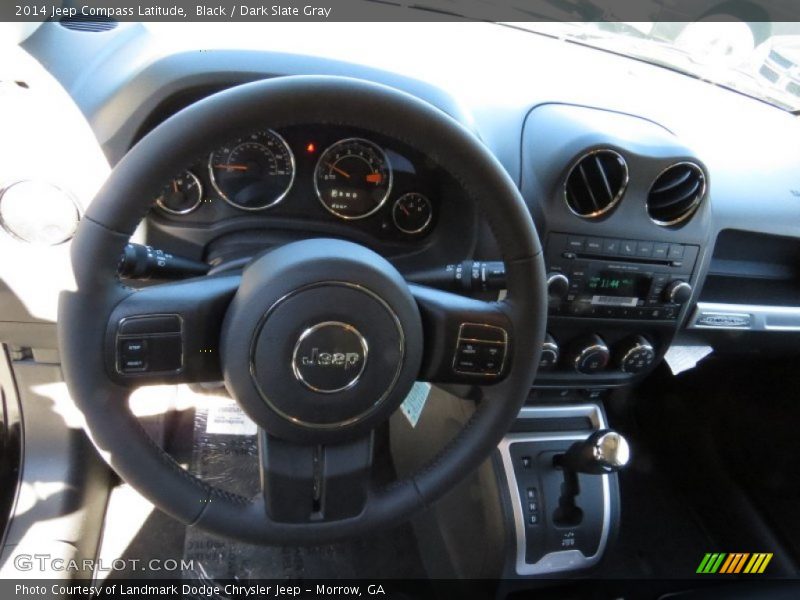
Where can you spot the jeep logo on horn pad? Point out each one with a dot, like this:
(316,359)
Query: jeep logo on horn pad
(329,357)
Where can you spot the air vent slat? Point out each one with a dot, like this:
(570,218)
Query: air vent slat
(672,181)
(602,173)
(596,183)
(588,187)
(676,194)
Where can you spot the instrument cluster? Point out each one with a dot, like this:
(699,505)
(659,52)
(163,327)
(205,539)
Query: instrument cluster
(331,173)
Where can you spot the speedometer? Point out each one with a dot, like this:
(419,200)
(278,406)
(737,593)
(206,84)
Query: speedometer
(353,178)
(254,172)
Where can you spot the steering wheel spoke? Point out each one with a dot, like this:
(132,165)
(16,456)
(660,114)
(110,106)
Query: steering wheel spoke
(169,333)
(466,340)
(313,482)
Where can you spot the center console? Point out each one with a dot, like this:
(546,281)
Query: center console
(563,520)
(613,305)
(621,207)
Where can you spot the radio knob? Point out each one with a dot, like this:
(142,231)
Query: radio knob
(678,292)
(557,285)
(550,353)
(591,355)
(636,356)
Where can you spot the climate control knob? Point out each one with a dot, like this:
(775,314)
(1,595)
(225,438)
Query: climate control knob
(557,285)
(678,292)
(590,356)
(636,356)
(550,353)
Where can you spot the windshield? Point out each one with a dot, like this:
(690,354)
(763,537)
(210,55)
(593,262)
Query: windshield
(758,59)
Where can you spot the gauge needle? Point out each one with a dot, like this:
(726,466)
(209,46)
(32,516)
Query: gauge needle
(405,210)
(232,167)
(175,186)
(338,170)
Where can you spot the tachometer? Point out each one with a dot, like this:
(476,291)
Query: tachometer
(254,172)
(181,195)
(353,178)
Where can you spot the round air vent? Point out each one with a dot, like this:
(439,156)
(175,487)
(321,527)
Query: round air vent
(676,193)
(596,183)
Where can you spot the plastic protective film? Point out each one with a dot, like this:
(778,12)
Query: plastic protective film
(225,454)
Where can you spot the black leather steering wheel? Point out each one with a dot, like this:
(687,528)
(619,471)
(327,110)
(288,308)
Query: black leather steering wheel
(319,341)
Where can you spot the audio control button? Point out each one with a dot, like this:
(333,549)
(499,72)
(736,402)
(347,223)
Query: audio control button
(660,251)
(611,247)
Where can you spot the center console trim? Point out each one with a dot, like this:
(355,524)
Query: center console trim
(565,560)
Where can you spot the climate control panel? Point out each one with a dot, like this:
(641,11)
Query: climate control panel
(591,354)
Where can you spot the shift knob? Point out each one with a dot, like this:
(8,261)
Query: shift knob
(605,451)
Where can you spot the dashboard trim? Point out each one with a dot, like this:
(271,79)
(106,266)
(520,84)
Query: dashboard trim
(750,317)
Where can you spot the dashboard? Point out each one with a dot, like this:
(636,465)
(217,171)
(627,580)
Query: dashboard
(316,179)
(667,206)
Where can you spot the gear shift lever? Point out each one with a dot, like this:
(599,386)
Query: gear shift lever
(605,451)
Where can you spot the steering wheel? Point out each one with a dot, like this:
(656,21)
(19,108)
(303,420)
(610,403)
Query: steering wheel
(319,341)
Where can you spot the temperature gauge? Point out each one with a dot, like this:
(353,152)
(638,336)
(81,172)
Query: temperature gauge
(181,195)
(412,213)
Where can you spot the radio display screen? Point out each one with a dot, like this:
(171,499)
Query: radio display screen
(618,288)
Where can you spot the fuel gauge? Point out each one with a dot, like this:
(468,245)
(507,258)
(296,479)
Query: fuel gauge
(412,213)
(181,195)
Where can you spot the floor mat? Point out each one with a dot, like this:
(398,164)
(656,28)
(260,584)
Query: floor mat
(225,455)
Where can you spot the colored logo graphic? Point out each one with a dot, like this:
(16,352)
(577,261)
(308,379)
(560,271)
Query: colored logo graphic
(737,562)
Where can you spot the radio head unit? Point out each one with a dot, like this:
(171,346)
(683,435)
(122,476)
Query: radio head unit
(620,279)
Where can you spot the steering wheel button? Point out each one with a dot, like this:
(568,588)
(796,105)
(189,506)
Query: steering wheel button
(482,333)
(466,350)
(132,355)
(466,365)
(150,324)
(166,353)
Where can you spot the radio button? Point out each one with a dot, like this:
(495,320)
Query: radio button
(645,249)
(678,292)
(558,285)
(575,244)
(594,245)
(611,246)
(675,251)
(660,251)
